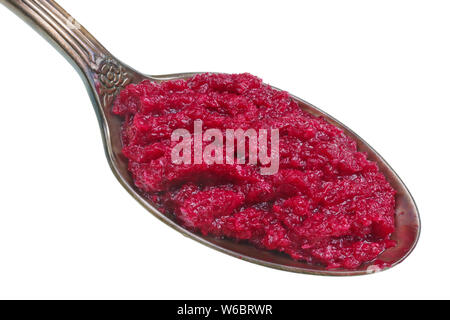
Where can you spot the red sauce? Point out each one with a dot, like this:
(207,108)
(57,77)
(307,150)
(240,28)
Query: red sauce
(327,204)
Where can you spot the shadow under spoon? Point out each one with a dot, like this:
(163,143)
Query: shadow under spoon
(104,76)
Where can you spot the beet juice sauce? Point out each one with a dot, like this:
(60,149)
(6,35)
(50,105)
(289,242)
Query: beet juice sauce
(327,204)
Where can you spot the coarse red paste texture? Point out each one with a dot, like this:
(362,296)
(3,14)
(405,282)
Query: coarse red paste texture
(327,204)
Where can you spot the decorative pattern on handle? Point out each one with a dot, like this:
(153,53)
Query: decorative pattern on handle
(112,77)
(103,71)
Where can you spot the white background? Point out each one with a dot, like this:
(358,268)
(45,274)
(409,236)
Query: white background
(69,230)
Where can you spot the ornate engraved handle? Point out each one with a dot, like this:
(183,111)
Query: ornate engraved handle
(105,74)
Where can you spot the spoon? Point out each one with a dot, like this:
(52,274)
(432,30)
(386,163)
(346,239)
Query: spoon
(104,76)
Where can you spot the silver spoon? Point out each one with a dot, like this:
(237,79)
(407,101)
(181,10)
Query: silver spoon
(104,76)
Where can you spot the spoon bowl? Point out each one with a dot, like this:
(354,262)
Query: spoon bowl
(104,77)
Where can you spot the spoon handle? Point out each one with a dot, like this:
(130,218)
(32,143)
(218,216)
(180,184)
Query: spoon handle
(104,75)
